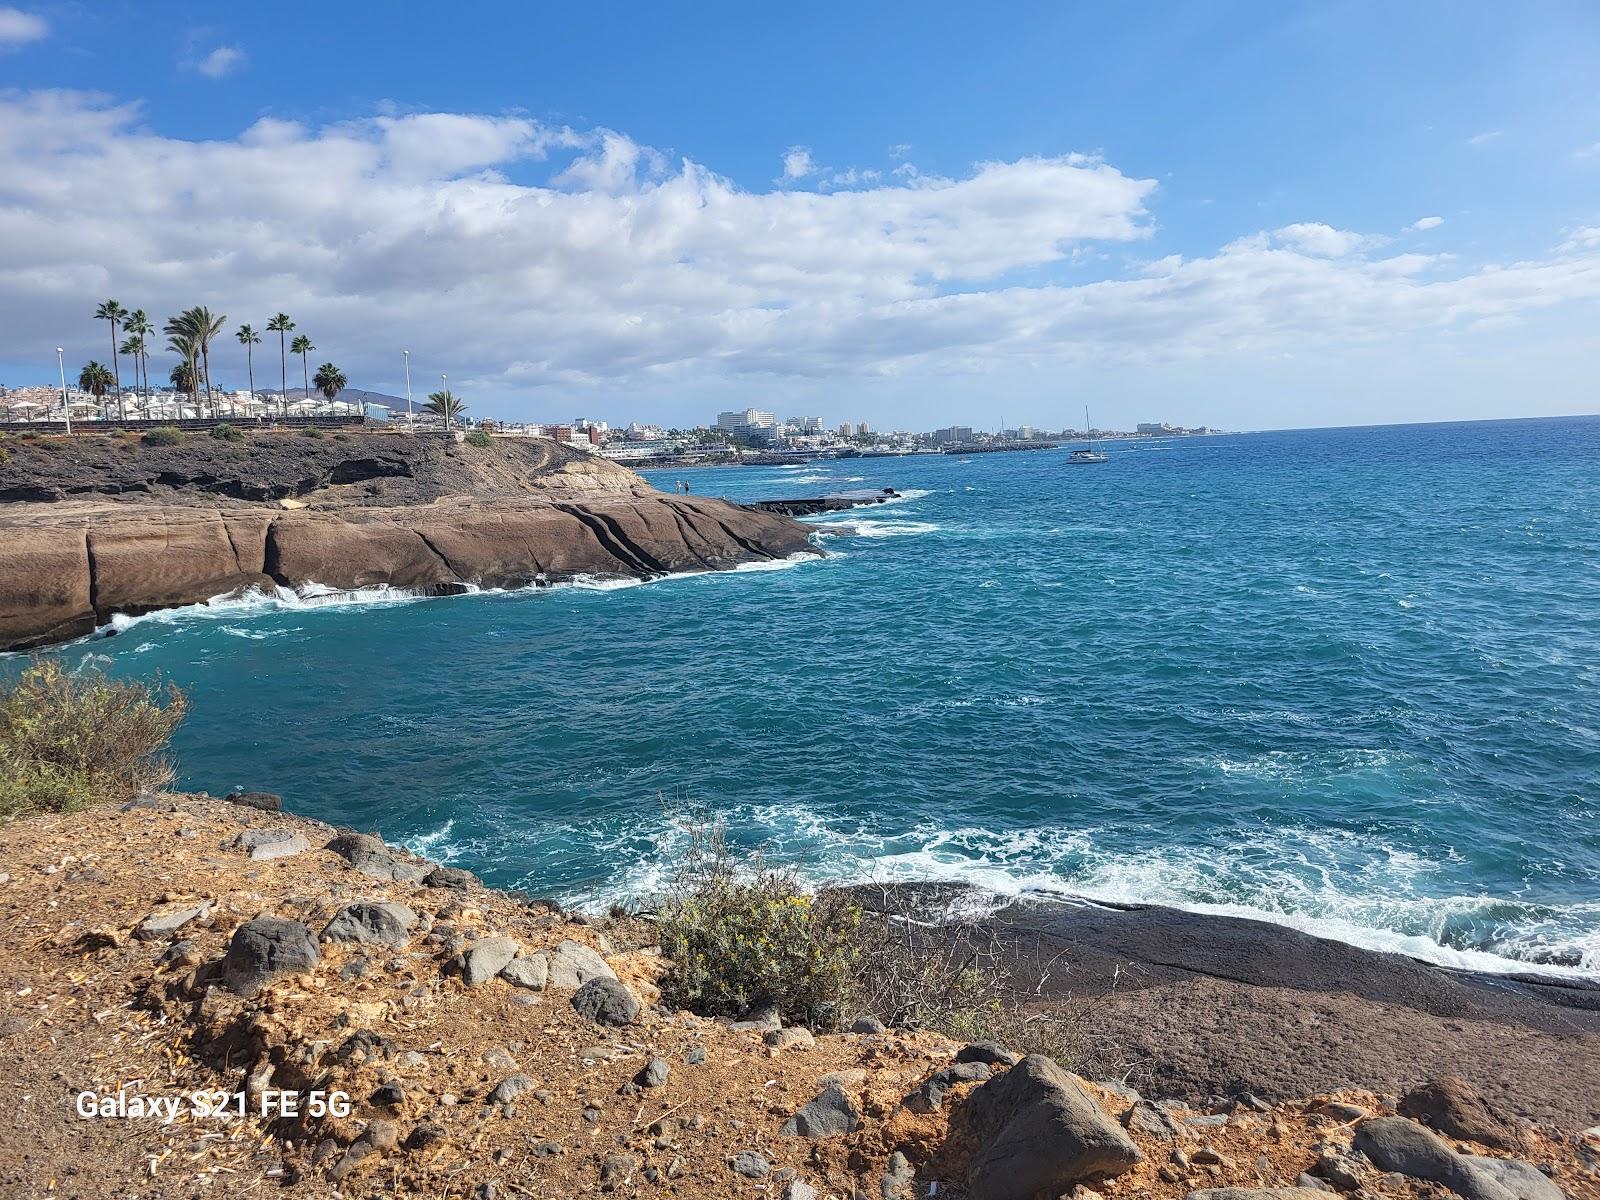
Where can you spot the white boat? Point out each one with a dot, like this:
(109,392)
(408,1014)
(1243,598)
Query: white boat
(1091,455)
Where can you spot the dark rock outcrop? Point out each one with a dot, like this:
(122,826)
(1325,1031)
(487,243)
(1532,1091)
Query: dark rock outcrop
(1039,1132)
(264,950)
(606,1002)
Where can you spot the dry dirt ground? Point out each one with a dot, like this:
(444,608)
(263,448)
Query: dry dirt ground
(86,1006)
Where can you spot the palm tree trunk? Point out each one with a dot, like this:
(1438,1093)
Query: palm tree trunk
(283,376)
(250,365)
(116,367)
(305,369)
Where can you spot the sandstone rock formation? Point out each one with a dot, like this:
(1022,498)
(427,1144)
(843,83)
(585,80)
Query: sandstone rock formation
(84,536)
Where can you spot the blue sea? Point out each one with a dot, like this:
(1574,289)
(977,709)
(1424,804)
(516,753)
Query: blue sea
(1347,680)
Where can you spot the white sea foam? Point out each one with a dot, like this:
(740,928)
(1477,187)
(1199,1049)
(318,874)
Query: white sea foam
(884,529)
(254,601)
(1285,877)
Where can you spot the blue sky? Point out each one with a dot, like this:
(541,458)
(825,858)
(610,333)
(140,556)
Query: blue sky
(1206,213)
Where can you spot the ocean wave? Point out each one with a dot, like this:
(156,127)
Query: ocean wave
(885,529)
(1372,898)
(255,601)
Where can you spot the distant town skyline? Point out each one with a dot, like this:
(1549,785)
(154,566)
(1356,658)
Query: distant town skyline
(1208,214)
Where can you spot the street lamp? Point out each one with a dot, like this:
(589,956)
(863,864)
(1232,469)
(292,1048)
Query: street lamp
(449,412)
(411,417)
(66,409)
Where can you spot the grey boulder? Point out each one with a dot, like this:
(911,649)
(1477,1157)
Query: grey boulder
(450,877)
(168,921)
(1521,1180)
(375,922)
(992,1053)
(264,950)
(572,964)
(265,844)
(531,971)
(1396,1144)
(509,1088)
(929,1097)
(264,801)
(606,1002)
(370,856)
(486,958)
(830,1112)
(1039,1132)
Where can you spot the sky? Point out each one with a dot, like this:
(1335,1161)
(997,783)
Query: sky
(1244,215)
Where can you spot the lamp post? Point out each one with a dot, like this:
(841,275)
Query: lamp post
(449,413)
(411,417)
(66,409)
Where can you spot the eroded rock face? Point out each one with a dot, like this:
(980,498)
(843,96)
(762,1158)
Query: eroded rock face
(66,569)
(1039,1133)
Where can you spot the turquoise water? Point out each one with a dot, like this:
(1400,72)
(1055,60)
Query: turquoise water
(1344,679)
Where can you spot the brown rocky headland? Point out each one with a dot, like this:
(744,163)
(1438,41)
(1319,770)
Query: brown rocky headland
(93,525)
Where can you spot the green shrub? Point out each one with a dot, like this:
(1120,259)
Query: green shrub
(163,435)
(480,439)
(5,456)
(740,939)
(67,740)
(227,433)
(311,431)
(41,787)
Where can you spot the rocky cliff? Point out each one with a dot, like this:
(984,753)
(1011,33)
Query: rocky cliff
(94,526)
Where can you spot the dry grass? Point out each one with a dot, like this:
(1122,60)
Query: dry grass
(70,740)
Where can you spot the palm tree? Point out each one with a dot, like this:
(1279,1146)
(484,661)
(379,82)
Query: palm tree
(201,326)
(114,312)
(330,382)
(186,347)
(444,406)
(249,339)
(138,324)
(182,376)
(303,347)
(280,325)
(133,346)
(95,379)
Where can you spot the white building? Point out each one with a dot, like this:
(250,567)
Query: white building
(746,421)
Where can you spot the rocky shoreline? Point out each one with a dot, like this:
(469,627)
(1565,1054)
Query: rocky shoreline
(491,1045)
(95,526)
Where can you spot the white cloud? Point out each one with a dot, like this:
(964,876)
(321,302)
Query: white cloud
(18,28)
(1590,151)
(1587,238)
(1310,237)
(224,60)
(797,163)
(1483,139)
(1423,224)
(521,255)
